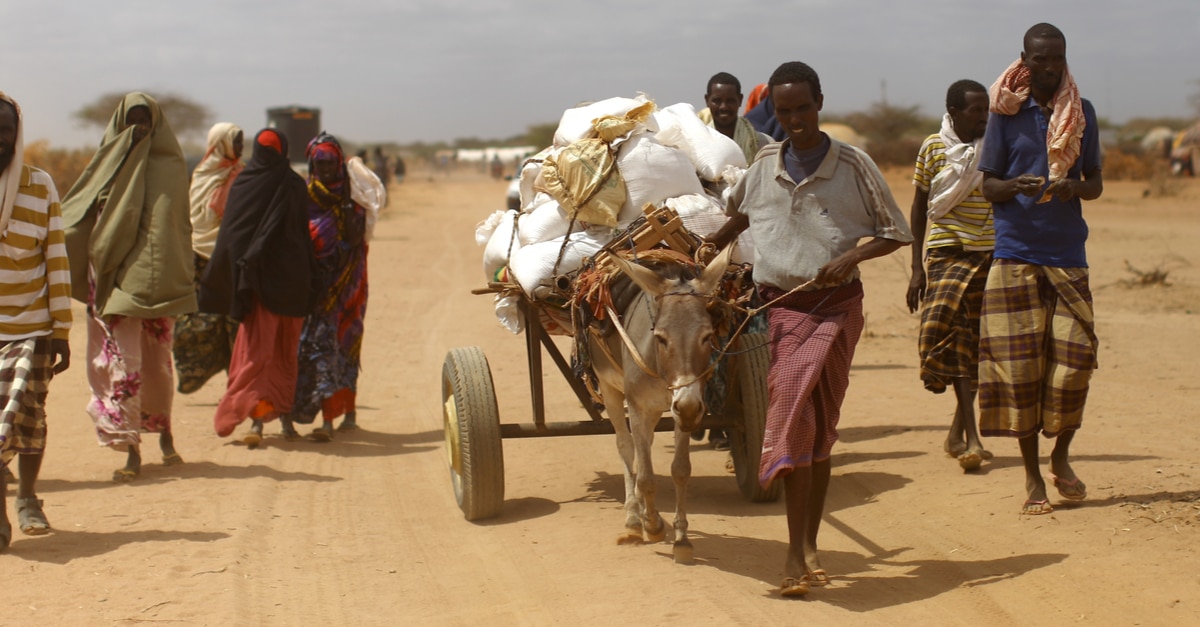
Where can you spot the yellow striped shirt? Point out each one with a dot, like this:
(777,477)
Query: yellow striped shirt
(35,280)
(968,225)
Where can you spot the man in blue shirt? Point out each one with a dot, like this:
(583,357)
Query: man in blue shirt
(1037,334)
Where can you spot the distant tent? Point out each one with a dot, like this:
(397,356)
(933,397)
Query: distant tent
(1156,138)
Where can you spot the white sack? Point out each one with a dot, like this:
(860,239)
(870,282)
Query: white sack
(546,222)
(533,266)
(709,151)
(653,173)
(576,123)
(495,256)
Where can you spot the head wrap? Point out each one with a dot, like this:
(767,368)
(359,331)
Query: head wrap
(1064,133)
(127,217)
(210,186)
(271,139)
(756,96)
(10,178)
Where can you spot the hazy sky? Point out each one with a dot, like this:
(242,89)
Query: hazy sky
(396,70)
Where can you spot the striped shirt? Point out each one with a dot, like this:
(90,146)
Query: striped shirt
(968,225)
(35,280)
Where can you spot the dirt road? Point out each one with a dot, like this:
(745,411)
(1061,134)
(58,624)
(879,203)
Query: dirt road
(365,530)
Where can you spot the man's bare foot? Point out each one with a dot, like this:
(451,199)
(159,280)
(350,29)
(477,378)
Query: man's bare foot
(1036,508)
(971,460)
(954,447)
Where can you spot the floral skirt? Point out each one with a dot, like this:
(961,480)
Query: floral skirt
(130,373)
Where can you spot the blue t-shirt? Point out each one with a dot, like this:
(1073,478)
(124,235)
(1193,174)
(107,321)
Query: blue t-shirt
(1048,234)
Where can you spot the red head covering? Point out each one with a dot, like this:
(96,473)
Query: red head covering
(270,139)
(756,96)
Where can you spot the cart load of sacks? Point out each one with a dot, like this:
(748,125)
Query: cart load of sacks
(609,160)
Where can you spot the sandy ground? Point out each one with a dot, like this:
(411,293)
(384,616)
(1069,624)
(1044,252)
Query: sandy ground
(365,530)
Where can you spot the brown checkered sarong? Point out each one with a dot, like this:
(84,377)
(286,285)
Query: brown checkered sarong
(813,336)
(949,339)
(1037,349)
(24,377)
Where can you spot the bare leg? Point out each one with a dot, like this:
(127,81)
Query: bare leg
(1065,479)
(5,525)
(288,428)
(29,466)
(1035,487)
(166,442)
(964,421)
(133,466)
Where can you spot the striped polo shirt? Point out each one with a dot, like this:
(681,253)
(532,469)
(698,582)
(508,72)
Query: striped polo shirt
(968,225)
(35,280)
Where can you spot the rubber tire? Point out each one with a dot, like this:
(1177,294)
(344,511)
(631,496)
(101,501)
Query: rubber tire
(471,419)
(750,370)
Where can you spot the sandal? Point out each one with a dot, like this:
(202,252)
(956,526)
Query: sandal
(795,587)
(1073,490)
(124,475)
(322,434)
(31,518)
(1036,507)
(818,578)
(173,459)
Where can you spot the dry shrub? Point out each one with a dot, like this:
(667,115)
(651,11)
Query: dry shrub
(64,165)
(895,152)
(1155,276)
(1127,166)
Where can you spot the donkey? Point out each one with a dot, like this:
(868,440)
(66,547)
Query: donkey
(659,366)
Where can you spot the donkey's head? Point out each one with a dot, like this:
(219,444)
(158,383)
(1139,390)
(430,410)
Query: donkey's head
(683,330)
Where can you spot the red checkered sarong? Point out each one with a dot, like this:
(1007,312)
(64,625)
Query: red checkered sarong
(25,374)
(1037,349)
(813,336)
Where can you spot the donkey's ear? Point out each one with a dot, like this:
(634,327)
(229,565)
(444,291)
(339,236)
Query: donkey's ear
(715,270)
(650,282)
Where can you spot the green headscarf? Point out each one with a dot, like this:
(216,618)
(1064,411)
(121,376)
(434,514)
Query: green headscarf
(140,244)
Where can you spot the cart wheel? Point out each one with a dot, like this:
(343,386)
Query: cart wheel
(746,442)
(472,423)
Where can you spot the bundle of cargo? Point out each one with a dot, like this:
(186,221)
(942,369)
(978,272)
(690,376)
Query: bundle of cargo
(610,161)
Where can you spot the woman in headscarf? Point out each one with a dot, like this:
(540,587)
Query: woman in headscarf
(261,274)
(129,245)
(204,341)
(331,342)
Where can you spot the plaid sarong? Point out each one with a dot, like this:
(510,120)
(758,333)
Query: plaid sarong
(25,373)
(949,339)
(813,336)
(1037,349)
